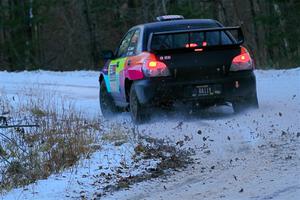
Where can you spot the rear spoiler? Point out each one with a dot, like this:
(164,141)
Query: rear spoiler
(237,41)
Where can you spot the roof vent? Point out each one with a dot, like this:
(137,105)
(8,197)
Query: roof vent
(169,18)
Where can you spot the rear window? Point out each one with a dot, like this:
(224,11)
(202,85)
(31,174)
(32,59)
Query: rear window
(191,39)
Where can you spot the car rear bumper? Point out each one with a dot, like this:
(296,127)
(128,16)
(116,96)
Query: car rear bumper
(234,86)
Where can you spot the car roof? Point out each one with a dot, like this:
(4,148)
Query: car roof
(171,25)
(178,24)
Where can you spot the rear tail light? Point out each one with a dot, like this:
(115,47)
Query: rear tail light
(153,68)
(242,61)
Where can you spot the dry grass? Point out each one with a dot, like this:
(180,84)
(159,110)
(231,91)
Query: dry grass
(64,136)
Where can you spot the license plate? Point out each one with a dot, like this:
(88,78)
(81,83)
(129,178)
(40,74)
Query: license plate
(206,90)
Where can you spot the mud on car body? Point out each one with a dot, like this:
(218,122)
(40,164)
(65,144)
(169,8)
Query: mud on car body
(175,59)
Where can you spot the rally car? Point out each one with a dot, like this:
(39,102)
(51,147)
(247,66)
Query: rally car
(197,61)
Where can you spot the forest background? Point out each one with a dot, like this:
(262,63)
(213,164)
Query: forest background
(71,34)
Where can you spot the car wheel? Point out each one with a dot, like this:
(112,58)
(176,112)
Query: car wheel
(107,106)
(137,110)
(245,103)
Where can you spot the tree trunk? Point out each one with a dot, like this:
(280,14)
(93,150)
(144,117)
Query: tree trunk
(91,29)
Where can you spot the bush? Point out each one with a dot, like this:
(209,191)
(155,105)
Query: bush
(62,136)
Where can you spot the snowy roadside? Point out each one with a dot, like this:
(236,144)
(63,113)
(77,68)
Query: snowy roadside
(78,86)
(119,162)
(255,155)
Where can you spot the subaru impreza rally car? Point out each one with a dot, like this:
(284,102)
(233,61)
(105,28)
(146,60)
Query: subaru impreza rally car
(176,59)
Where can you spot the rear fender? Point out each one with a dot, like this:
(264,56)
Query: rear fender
(135,73)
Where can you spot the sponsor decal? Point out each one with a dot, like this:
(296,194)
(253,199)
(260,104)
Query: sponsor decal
(114,70)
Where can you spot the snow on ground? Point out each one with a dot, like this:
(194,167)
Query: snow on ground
(77,179)
(254,155)
(79,86)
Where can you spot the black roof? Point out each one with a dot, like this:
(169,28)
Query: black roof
(171,25)
(179,24)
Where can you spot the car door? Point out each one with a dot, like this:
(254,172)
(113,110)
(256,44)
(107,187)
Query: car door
(127,48)
(118,63)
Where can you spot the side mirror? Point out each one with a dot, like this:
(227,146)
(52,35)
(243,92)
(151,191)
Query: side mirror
(108,55)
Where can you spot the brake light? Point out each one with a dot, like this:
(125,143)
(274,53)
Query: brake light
(191,45)
(152,68)
(242,61)
(152,64)
(156,65)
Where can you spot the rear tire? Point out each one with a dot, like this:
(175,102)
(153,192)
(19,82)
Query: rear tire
(107,105)
(245,103)
(137,110)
